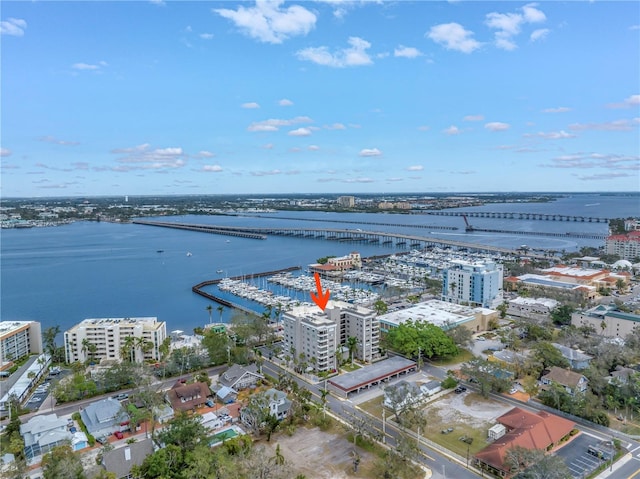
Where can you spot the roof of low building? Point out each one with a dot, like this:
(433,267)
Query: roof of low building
(122,459)
(566,377)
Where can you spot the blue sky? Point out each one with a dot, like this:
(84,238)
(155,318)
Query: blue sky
(120,97)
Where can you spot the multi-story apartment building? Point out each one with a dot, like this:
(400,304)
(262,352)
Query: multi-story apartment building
(308,331)
(18,339)
(359,322)
(322,335)
(626,246)
(473,283)
(107,338)
(347,201)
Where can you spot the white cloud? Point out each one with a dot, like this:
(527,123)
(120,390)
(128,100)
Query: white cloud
(415,168)
(300,132)
(5,152)
(354,55)
(212,168)
(56,141)
(532,14)
(285,102)
(370,152)
(358,180)
(205,154)
(552,135)
(473,118)
(250,105)
(88,66)
(632,101)
(274,124)
(634,27)
(13,26)
(539,34)
(509,25)
(496,126)
(206,36)
(336,126)
(406,52)
(453,36)
(313,147)
(268,22)
(452,130)
(266,173)
(560,109)
(616,125)
(142,157)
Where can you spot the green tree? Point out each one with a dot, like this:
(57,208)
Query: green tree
(216,345)
(49,340)
(352,344)
(184,431)
(502,308)
(490,376)
(461,336)
(380,307)
(548,355)
(209,309)
(562,315)
(420,339)
(62,463)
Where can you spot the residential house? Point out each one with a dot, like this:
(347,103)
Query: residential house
(43,433)
(225,394)
(279,405)
(240,377)
(122,459)
(211,421)
(572,382)
(104,417)
(577,359)
(621,375)
(187,397)
(529,430)
(406,393)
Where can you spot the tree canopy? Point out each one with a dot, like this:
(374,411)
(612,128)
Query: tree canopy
(420,338)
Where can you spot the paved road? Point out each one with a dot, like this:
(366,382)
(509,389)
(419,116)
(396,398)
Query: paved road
(442,466)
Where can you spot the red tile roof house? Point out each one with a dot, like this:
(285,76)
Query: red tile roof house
(539,430)
(187,397)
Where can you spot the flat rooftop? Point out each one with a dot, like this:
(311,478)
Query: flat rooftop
(436,312)
(7,327)
(373,372)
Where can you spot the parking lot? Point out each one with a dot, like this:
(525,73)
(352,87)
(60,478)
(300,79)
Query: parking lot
(576,457)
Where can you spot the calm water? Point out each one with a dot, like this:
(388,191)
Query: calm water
(65,274)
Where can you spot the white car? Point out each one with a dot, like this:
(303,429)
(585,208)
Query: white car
(513,390)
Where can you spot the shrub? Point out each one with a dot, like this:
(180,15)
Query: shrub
(449,383)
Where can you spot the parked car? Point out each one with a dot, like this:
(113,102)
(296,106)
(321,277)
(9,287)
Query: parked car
(121,396)
(459,389)
(209,403)
(118,435)
(101,440)
(513,390)
(447,430)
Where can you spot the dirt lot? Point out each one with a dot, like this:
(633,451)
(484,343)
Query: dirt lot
(470,408)
(320,455)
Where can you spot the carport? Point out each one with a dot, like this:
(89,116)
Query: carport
(368,376)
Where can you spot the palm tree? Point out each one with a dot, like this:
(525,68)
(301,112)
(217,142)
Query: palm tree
(209,308)
(352,344)
(85,347)
(127,348)
(452,287)
(220,311)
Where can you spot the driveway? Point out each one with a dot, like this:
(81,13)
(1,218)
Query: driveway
(479,346)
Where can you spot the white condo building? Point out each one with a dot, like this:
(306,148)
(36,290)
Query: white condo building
(18,339)
(109,335)
(475,283)
(318,334)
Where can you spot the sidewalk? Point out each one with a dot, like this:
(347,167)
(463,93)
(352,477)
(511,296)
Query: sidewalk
(610,471)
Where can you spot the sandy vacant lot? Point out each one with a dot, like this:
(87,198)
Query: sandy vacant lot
(469,408)
(319,455)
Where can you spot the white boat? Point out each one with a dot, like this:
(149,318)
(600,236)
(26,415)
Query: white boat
(228,241)
(219,271)
(189,253)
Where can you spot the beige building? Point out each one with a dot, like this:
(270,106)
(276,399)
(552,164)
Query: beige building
(18,339)
(533,308)
(625,246)
(607,321)
(443,314)
(109,338)
(320,334)
(347,201)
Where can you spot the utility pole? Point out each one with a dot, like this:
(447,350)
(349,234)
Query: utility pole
(384,430)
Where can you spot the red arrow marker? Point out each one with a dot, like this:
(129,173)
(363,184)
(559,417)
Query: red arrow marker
(320,299)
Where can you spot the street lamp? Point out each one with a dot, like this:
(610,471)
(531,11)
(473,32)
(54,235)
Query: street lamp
(384,429)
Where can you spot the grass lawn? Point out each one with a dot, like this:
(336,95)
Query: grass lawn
(462,357)
(435,424)
(348,367)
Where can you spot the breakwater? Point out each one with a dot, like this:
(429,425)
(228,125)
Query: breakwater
(198,287)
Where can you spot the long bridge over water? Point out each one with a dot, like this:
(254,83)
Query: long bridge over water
(336,234)
(516,216)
